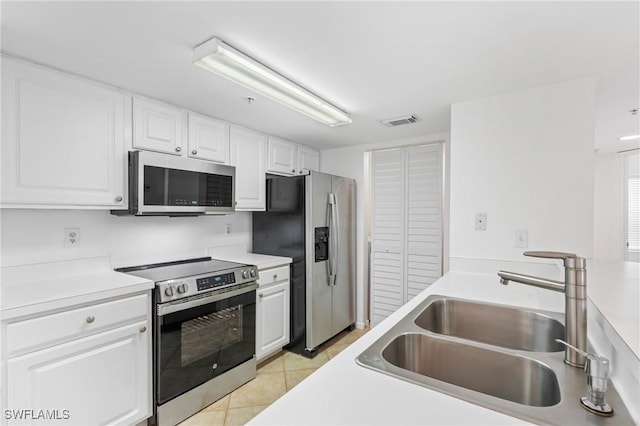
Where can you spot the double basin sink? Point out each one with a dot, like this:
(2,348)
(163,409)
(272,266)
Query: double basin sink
(500,357)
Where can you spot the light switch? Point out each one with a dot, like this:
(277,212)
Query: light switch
(522,238)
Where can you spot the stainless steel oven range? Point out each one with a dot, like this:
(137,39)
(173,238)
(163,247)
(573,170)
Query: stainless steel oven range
(204,332)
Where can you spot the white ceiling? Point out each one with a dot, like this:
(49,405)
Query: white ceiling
(375,60)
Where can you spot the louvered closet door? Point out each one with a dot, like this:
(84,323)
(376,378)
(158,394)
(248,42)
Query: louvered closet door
(423,218)
(406,249)
(387,255)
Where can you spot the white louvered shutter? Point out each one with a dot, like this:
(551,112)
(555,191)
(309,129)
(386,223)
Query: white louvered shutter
(633,207)
(423,218)
(406,239)
(387,260)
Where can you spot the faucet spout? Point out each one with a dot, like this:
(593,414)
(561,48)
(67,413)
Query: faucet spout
(506,276)
(574,288)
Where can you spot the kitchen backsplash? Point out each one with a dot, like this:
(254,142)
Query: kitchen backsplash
(34,236)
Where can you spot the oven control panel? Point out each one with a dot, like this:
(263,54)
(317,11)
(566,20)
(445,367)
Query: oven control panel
(215,281)
(190,286)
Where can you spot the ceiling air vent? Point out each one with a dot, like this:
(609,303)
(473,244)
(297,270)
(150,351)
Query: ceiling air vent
(400,121)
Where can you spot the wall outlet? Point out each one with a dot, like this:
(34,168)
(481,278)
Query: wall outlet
(481,221)
(522,238)
(71,237)
(227,228)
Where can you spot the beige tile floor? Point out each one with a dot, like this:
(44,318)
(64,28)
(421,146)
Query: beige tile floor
(276,376)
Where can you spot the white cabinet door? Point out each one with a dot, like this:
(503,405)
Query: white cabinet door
(63,139)
(282,157)
(104,378)
(208,139)
(308,160)
(248,156)
(157,127)
(272,313)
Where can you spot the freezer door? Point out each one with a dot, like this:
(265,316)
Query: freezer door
(343,260)
(318,286)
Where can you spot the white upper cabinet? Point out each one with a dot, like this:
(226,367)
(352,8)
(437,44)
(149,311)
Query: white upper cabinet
(63,140)
(248,149)
(289,159)
(308,160)
(157,127)
(208,139)
(282,157)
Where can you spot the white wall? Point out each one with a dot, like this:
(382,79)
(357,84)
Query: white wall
(350,162)
(525,159)
(33,236)
(608,210)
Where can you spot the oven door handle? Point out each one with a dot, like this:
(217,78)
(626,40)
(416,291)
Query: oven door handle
(176,306)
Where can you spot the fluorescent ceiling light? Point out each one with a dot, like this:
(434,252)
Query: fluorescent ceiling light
(218,57)
(629,138)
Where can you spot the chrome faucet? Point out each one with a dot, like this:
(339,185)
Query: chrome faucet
(574,288)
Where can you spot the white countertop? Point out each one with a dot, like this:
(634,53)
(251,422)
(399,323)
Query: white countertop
(32,289)
(614,287)
(262,261)
(344,393)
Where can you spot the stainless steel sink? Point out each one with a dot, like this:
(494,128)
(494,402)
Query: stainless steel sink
(493,324)
(444,344)
(471,367)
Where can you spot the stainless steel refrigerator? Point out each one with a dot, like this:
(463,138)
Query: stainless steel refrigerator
(312,220)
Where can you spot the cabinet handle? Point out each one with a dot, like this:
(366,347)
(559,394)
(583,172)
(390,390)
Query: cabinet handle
(143,329)
(260,295)
(194,152)
(178,149)
(293,170)
(275,276)
(90,319)
(118,198)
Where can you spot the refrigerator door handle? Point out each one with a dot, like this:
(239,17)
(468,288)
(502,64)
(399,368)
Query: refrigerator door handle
(333,239)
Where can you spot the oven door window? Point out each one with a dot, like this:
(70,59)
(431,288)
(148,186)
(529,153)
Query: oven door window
(202,342)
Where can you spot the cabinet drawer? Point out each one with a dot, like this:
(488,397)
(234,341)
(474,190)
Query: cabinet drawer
(268,276)
(38,332)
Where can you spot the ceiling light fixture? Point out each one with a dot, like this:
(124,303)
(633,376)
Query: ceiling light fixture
(629,138)
(220,58)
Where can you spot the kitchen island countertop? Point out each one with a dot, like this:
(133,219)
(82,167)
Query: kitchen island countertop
(345,393)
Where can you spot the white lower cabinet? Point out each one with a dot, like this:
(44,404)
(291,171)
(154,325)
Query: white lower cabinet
(101,375)
(272,311)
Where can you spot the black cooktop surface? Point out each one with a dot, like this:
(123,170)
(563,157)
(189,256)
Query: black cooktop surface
(180,269)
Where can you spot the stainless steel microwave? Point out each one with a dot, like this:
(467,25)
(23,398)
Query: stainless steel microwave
(165,185)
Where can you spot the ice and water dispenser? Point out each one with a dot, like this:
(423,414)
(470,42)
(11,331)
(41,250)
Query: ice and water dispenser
(321,243)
